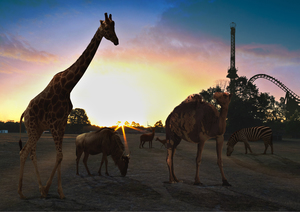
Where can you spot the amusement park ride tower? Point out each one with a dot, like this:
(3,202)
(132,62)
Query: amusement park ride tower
(232,71)
(292,100)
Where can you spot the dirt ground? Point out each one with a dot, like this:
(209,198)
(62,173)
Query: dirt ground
(259,182)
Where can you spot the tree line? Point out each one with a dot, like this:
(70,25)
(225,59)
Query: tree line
(78,122)
(249,108)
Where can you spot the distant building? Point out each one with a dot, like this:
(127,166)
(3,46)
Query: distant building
(3,131)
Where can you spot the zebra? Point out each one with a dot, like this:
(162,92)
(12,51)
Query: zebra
(251,134)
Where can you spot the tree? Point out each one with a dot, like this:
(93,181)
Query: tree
(77,120)
(208,95)
(293,124)
(159,126)
(78,116)
(222,84)
(134,124)
(248,107)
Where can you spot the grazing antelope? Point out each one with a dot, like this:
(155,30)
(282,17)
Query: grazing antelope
(251,134)
(163,142)
(105,141)
(196,121)
(147,137)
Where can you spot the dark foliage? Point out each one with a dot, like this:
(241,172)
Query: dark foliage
(249,107)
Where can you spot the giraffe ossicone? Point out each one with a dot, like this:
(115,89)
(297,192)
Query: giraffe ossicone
(50,108)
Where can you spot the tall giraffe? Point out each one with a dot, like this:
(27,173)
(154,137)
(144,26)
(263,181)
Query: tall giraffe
(50,108)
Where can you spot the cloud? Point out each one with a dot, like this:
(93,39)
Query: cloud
(163,49)
(270,50)
(197,61)
(6,68)
(267,59)
(15,47)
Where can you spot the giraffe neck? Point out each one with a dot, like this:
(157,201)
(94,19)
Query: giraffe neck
(73,74)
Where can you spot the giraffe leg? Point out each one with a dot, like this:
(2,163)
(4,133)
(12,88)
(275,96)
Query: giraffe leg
(59,157)
(59,188)
(198,162)
(58,137)
(30,146)
(219,147)
(23,155)
(33,158)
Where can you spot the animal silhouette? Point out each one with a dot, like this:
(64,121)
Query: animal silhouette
(147,137)
(162,141)
(105,141)
(196,121)
(50,108)
(251,134)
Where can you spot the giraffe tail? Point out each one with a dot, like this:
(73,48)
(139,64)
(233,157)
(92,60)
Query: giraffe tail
(20,141)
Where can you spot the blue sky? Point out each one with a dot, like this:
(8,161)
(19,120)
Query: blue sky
(168,50)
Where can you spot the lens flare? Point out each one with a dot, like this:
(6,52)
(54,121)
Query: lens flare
(125,140)
(124,134)
(135,128)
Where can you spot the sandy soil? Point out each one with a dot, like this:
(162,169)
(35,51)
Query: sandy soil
(259,182)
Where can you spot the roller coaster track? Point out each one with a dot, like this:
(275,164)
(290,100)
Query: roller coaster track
(288,91)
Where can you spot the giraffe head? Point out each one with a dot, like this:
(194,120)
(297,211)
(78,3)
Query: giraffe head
(108,29)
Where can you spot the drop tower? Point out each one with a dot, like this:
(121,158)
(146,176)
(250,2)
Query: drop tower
(232,75)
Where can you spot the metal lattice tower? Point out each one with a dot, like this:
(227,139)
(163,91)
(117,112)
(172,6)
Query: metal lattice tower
(232,71)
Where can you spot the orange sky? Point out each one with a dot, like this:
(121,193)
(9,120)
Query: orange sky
(156,65)
(133,82)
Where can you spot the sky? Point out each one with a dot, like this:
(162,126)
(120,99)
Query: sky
(168,49)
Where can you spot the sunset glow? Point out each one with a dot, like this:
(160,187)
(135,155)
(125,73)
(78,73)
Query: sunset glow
(122,126)
(166,51)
